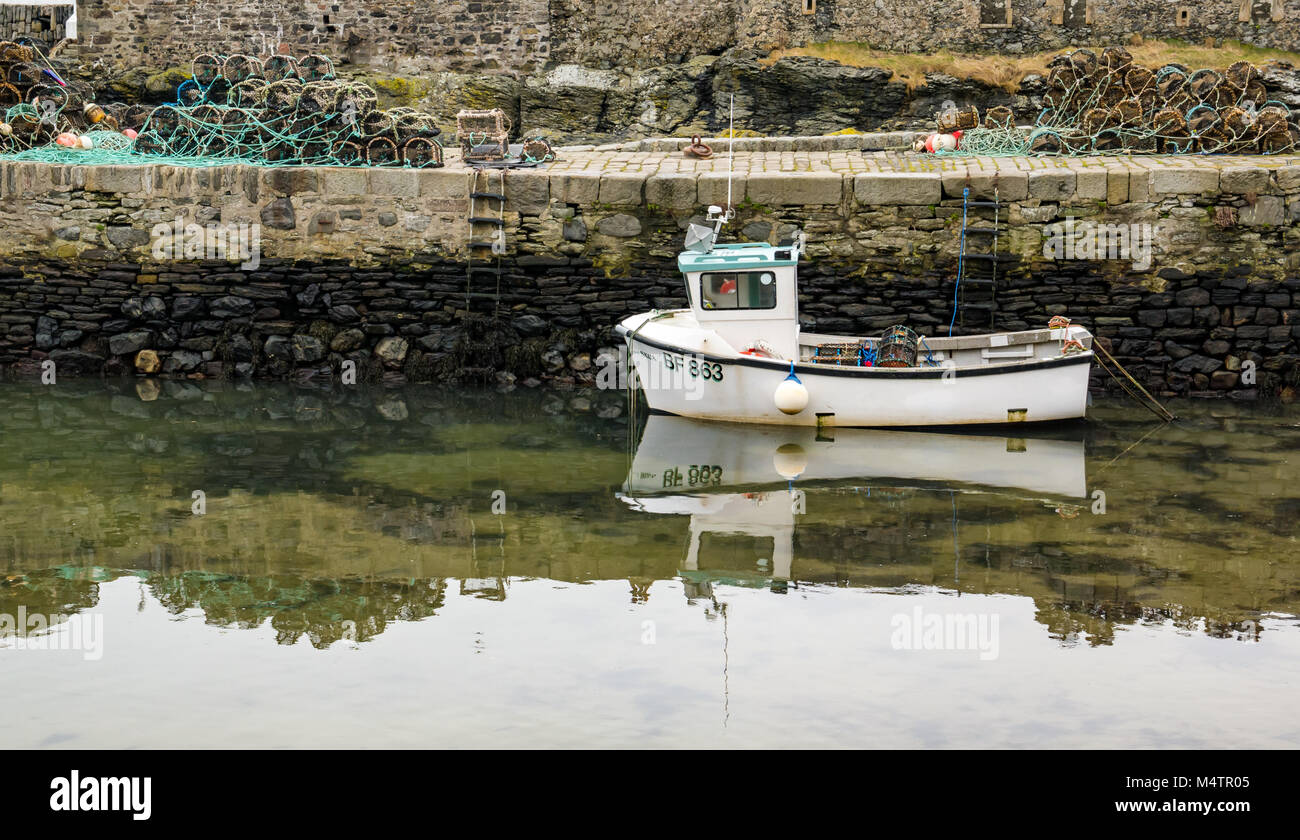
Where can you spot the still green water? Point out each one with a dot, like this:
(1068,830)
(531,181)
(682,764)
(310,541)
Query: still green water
(435,567)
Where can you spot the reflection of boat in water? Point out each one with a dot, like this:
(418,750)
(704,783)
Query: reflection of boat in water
(681,455)
(743,487)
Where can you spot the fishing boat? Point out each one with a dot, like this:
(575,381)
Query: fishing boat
(737,353)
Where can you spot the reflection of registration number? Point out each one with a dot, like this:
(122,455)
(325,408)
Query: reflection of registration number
(696,475)
(693,366)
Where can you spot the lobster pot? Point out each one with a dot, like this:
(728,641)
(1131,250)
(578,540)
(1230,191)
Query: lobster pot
(958,120)
(381,151)
(422,152)
(483,135)
(12,53)
(999,116)
(849,353)
(897,348)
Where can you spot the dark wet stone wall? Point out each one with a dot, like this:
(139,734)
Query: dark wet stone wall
(1203,335)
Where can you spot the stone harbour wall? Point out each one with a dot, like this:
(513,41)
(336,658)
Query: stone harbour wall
(611,69)
(519,37)
(370,265)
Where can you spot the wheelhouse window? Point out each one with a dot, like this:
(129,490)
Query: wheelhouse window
(738,290)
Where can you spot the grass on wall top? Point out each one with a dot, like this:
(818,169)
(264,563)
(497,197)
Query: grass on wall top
(1006,71)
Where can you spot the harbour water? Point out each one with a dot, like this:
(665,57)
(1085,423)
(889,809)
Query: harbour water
(270,566)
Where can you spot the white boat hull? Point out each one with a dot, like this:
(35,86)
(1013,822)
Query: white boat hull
(690,373)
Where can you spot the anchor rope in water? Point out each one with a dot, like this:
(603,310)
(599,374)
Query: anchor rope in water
(1150,402)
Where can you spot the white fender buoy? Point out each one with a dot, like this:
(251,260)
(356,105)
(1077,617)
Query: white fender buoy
(790,461)
(791,396)
(940,142)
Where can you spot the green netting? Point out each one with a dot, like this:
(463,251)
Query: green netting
(234,109)
(1107,104)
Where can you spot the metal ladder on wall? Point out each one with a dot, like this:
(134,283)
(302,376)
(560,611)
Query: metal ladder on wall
(978,289)
(487,230)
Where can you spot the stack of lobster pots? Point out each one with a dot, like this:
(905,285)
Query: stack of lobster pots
(286,110)
(1106,102)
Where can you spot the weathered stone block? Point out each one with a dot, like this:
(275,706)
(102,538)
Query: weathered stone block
(1288,178)
(290,180)
(395,183)
(323,222)
(129,342)
(279,215)
(121,180)
(1185,181)
(620,224)
(17,177)
(711,188)
(445,184)
(1034,215)
(906,188)
(622,188)
(1139,185)
(1240,180)
(1051,184)
(344,180)
(575,230)
(124,238)
(671,190)
(575,188)
(1007,185)
(528,191)
(392,351)
(1117,186)
(794,188)
(146,361)
(1090,184)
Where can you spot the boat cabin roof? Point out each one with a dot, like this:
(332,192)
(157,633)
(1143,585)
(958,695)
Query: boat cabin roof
(738,256)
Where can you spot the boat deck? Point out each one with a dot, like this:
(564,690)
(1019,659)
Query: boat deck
(962,351)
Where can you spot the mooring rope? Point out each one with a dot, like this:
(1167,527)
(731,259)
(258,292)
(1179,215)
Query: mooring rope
(961,257)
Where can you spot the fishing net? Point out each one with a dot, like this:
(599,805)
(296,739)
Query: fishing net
(1102,104)
(236,108)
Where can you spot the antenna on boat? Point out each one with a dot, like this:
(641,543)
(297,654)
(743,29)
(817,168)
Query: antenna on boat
(718,215)
(731,153)
(700,239)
